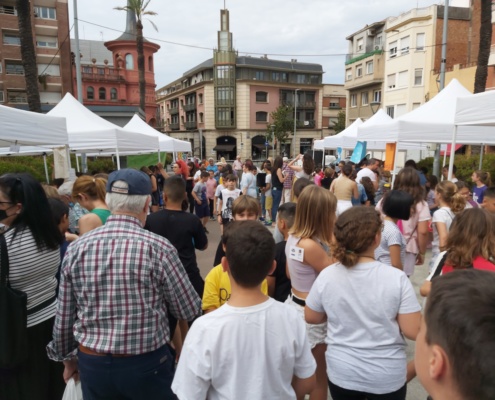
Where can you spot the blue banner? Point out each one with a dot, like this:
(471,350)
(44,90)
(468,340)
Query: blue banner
(359,152)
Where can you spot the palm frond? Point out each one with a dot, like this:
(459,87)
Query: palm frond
(152,24)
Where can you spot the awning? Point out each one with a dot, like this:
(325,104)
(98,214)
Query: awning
(449,147)
(224,147)
(262,146)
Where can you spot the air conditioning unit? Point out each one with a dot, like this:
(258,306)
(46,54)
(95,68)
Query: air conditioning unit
(378,47)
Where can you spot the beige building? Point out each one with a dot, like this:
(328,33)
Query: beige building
(223,106)
(334,102)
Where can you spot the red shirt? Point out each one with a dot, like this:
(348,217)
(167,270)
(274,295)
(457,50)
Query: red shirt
(478,263)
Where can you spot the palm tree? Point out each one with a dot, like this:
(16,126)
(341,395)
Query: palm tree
(28,54)
(138,7)
(485,44)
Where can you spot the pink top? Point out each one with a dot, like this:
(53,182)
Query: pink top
(211,184)
(237,165)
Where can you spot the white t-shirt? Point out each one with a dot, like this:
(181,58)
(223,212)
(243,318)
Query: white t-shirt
(445,215)
(268,181)
(244,353)
(218,190)
(228,197)
(365,172)
(197,175)
(366,350)
(390,236)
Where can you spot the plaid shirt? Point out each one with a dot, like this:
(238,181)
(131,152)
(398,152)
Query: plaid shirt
(289,177)
(117,282)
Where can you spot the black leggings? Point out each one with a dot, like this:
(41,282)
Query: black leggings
(191,200)
(339,393)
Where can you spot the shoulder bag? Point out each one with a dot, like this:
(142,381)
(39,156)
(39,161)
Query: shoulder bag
(13,317)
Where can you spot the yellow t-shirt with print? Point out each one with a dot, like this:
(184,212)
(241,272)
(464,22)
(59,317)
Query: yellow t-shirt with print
(217,288)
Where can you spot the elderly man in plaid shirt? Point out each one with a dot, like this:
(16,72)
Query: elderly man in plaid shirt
(117,284)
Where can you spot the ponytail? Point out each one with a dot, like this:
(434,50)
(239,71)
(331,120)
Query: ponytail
(94,188)
(485,177)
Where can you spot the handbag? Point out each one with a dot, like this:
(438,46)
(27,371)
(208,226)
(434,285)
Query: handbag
(13,317)
(73,390)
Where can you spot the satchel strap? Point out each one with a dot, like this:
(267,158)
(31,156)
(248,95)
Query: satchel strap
(4,261)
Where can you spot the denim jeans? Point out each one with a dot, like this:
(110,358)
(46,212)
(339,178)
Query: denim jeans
(143,377)
(262,201)
(277,196)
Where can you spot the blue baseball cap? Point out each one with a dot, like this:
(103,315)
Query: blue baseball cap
(137,181)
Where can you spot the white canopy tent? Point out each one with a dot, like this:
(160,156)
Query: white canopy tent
(167,143)
(319,144)
(332,142)
(90,133)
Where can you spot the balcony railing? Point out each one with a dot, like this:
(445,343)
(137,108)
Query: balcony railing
(173,110)
(191,124)
(9,10)
(189,107)
(102,77)
(352,58)
(300,104)
(16,98)
(307,124)
(174,126)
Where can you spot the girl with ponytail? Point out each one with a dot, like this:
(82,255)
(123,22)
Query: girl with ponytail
(368,307)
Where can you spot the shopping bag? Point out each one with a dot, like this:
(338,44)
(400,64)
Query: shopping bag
(73,390)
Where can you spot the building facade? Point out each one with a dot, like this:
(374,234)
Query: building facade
(110,81)
(333,102)
(490,82)
(50,28)
(224,105)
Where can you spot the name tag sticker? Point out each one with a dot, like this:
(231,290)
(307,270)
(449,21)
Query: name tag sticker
(296,253)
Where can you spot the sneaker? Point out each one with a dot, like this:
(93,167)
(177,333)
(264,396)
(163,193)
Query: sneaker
(262,219)
(212,218)
(268,223)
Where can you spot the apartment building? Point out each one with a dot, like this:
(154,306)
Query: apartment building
(490,82)
(334,102)
(364,71)
(50,32)
(223,106)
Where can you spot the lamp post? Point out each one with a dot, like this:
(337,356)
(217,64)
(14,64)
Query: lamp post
(295,122)
(273,141)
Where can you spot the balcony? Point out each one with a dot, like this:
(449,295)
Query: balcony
(174,126)
(173,110)
(300,104)
(102,77)
(189,107)
(308,124)
(191,124)
(335,106)
(8,10)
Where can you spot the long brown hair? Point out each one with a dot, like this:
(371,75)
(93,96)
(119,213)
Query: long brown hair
(408,180)
(471,234)
(94,188)
(485,177)
(310,224)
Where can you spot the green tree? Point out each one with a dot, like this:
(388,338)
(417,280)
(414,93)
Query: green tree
(283,123)
(339,126)
(139,8)
(28,54)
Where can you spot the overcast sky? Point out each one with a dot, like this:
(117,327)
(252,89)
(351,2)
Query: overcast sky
(291,28)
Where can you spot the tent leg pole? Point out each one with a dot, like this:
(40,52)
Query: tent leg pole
(481,156)
(77,163)
(445,157)
(394,172)
(118,158)
(452,153)
(159,161)
(46,169)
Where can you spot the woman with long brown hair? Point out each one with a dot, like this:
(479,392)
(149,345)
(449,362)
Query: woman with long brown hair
(307,168)
(415,229)
(307,255)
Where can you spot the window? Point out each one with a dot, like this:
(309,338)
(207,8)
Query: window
(334,102)
(90,93)
(364,99)
(201,117)
(420,42)
(261,97)
(100,71)
(113,94)
(416,105)
(260,75)
(359,70)
(404,45)
(14,68)
(8,10)
(102,93)
(400,110)
(129,61)
(87,70)
(45,12)
(392,49)
(353,99)
(1,97)
(314,79)
(403,79)
(348,74)
(11,38)
(391,81)
(359,44)
(377,96)
(16,97)
(418,77)
(46,41)
(301,78)
(150,63)
(390,111)
(200,98)
(378,42)
(261,116)
(369,67)
(53,69)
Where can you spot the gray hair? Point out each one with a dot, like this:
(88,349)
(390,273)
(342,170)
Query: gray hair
(125,203)
(66,188)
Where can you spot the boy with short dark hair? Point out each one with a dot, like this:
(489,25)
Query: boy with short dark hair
(222,356)
(226,199)
(455,347)
(278,283)
(201,201)
(489,200)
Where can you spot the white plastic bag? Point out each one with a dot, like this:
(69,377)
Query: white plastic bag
(73,390)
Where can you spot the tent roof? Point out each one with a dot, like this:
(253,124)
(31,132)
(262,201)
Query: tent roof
(90,133)
(28,128)
(432,122)
(478,109)
(332,142)
(167,143)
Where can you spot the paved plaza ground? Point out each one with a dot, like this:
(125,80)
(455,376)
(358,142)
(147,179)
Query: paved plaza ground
(205,261)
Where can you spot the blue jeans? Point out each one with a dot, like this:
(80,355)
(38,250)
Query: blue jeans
(277,197)
(262,201)
(143,377)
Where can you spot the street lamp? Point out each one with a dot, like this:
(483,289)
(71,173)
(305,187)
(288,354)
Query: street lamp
(273,141)
(295,121)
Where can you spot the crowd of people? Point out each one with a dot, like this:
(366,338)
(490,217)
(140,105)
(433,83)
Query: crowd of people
(309,291)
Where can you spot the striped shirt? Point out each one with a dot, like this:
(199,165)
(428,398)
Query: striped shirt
(33,271)
(117,283)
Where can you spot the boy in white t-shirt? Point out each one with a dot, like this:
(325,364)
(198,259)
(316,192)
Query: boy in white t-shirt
(252,347)
(226,199)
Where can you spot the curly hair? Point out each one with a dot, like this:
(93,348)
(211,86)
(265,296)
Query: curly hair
(450,195)
(471,234)
(355,232)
